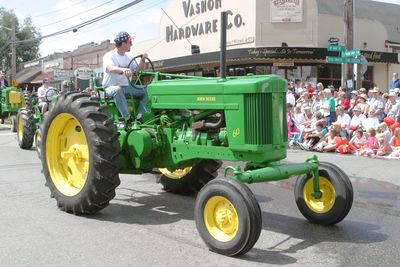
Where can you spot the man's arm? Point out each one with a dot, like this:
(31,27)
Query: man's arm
(142,61)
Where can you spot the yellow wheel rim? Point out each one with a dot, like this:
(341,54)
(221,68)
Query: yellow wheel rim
(221,218)
(67,154)
(20,127)
(176,174)
(326,202)
(38,141)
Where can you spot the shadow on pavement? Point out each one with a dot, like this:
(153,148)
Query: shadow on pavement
(311,234)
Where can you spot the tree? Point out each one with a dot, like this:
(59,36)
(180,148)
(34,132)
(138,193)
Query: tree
(27,38)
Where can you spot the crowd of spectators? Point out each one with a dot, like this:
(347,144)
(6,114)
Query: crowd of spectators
(361,122)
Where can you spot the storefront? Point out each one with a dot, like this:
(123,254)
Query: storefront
(286,37)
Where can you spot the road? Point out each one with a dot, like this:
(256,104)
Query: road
(144,226)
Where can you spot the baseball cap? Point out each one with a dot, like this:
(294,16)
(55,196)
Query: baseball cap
(45,80)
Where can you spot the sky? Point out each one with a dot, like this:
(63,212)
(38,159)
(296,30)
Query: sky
(49,16)
(141,20)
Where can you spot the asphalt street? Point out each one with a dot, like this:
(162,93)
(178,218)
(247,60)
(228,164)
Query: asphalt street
(145,226)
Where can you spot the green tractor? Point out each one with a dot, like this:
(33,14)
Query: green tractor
(192,124)
(30,117)
(10,101)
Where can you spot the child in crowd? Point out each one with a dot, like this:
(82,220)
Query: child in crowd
(383,146)
(370,148)
(328,142)
(384,129)
(357,141)
(313,138)
(395,143)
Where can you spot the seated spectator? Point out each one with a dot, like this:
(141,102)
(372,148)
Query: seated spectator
(328,107)
(356,121)
(357,141)
(353,101)
(385,131)
(343,101)
(328,143)
(362,103)
(383,146)
(298,117)
(343,117)
(395,143)
(376,107)
(370,148)
(372,121)
(311,139)
(392,107)
(292,129)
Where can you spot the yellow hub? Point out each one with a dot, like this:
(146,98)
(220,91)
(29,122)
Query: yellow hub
(221,218)
(20,128)
(326,202)
(67,154)
(176,174)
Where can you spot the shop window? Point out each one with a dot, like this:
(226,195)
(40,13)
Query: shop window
(330,75)
(368,81)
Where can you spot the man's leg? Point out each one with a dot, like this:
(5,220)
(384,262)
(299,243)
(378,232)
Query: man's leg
(138,94)
(120,101)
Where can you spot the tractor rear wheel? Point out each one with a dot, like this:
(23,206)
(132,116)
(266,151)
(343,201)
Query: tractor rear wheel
(79,151)
(228,217)
(336,200)
(26,128)
(191,179)
(13,123)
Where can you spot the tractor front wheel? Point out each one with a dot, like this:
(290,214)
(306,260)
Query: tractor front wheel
(79,150)
(25,128)
(336,200)
(13,123)
(228,217)
(191,179)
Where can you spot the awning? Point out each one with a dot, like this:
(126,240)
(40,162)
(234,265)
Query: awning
(268,54)
(39,79)
(26,75)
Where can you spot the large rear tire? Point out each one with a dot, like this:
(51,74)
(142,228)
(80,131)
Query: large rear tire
(228,217)
(190,180)
(25,128)
(336,200)
(79,150)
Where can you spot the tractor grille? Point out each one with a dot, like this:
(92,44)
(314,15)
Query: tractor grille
(258,118)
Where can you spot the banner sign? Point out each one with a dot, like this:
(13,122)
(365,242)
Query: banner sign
(286,11)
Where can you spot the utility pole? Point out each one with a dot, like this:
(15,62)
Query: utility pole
(347,71)
(13,53)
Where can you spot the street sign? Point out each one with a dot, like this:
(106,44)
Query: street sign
(330,59)
(352,60)
(352,53)
(336,48)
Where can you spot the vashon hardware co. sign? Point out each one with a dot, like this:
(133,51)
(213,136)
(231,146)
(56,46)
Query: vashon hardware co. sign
(192,8)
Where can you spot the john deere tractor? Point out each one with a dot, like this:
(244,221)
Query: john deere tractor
(10,101)
(30,117)
(192,124)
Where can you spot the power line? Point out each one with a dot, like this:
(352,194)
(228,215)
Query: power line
(80,13)
(56,10)
(76,27)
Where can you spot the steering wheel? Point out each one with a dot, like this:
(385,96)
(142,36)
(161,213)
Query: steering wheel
(140,79)
(49,94)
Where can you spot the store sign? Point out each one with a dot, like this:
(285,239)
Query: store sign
(61,75)
(84,73)
(286,11)
(203,17)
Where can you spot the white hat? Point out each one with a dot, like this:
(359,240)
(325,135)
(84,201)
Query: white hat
(392,94)
(396,90)
(327,90)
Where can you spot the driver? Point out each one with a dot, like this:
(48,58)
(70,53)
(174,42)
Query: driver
(45,92)
(115,63)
